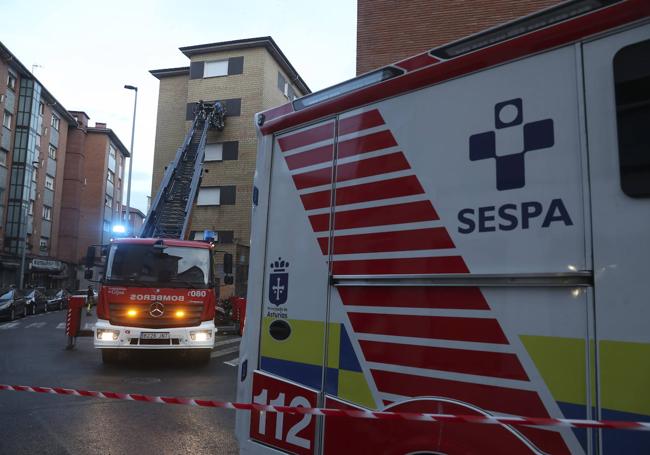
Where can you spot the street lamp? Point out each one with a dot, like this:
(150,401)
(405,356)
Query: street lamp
(21,278)
(128,189)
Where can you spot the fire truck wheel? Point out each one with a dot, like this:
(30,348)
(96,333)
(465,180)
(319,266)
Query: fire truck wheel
(109,356)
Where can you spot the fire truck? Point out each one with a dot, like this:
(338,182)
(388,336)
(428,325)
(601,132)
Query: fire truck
(462,232)
(158,290)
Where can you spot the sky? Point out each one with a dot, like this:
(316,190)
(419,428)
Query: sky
(88,50)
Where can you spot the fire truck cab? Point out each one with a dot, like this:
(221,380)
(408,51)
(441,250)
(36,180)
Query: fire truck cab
(157,294)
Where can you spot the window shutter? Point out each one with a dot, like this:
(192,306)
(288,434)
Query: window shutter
(228,195)
(235,65)
(230,150)
(226,236)
(196,70)
(233,107)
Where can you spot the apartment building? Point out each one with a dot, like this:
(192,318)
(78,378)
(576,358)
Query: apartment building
(92,188)
(61,182)
(249,76)
(389,31)
(33,140)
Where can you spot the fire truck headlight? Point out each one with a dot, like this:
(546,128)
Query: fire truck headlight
(107,334)
(202,335)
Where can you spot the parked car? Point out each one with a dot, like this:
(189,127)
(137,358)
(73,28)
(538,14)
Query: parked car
(35,301)
(12,304)
(57,299)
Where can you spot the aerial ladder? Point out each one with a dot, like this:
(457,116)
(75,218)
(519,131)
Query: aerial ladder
(170,211)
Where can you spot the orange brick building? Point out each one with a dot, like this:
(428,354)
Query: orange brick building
(391,30)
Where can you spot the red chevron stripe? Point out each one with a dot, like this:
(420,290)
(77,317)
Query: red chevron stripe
(358,169)
(432,327)
(310,157)
(360,122)
(492,398)
(306,137)
(411,212)
(365,144)
(385,189)
(440,264)
(494,364)
(411,240)
(546,440)
(414,297)
(356,146)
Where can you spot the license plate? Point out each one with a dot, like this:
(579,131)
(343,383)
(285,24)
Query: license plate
(154,336)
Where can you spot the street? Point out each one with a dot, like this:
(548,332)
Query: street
(32,353)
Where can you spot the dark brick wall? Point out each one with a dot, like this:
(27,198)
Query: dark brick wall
(391,30)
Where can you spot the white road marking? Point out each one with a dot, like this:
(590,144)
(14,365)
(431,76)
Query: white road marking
(225,342)
(37,325)
(233,363)
(224,352)
(61,325)
(10,325)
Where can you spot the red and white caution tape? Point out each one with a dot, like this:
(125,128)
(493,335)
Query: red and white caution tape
(363,414)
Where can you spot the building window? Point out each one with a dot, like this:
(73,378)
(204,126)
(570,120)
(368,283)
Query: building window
(11,82)
(217,195)
(30,211)
(216,68)
(632,80)
(49,182)
(7,120)
(110,177)
(109,201)
(112,158)
(55,122)
(51,152)
(286,89)
(3,157)
(47,213)
(43,244)
(209,196)
(213,152)
(41,108)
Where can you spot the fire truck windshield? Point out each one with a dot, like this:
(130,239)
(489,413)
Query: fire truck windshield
(150,265)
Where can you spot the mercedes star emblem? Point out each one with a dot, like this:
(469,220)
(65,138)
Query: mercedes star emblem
(156,309)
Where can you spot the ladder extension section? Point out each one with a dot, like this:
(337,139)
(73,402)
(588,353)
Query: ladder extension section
(170,211)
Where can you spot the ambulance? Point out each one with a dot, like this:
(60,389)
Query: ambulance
(466,231)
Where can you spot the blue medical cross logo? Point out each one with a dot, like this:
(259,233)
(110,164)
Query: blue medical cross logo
(511,170)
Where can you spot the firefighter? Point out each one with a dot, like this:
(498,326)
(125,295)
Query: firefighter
(90,299)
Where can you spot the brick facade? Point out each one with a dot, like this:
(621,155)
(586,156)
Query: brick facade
(257,89)
(391,30)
